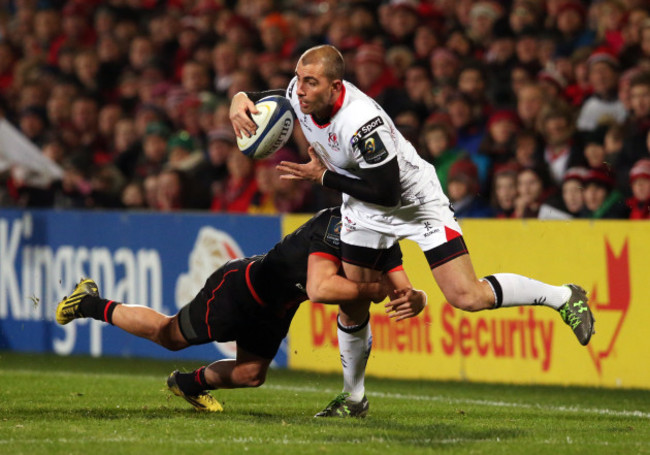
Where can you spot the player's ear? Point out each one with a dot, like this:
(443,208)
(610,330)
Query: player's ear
(336,85)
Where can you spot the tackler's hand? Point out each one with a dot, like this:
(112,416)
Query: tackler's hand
(407,303)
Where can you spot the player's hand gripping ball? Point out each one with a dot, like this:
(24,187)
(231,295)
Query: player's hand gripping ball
(274,127)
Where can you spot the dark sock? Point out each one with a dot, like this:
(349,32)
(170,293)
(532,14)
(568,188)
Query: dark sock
(193,383)
(98,308)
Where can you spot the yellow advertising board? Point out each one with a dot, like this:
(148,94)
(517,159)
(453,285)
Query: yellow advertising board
(526,345)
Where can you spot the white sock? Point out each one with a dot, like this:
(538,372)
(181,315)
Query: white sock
(354,346)
(517,290)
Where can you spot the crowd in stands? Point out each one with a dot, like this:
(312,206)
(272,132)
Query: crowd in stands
(527,108)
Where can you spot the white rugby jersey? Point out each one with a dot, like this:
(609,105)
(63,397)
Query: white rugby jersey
(360,135)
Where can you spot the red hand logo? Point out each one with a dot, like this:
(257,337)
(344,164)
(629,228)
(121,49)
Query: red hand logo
(618,280)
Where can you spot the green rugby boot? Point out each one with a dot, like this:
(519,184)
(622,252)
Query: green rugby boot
(342,407)
(577,314)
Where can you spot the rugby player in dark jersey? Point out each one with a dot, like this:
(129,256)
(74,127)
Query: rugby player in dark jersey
(252,301)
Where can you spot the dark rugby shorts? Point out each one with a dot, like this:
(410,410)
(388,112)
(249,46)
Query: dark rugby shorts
(224,310)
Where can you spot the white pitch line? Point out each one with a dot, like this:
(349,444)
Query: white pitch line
(289,441)
(395,396)
(500,404)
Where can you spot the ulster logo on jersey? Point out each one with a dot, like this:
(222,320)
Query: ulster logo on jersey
(333,142)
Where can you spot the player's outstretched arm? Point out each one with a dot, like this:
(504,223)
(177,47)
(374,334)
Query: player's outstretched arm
(325,285)
(377,185)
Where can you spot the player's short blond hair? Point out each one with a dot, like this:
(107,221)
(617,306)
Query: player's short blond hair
(329,56)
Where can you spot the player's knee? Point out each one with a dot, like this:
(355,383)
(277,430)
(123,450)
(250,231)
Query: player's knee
(254,377)
(257,380)
(467,301)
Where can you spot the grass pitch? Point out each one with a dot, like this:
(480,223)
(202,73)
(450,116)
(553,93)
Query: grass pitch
(62,405)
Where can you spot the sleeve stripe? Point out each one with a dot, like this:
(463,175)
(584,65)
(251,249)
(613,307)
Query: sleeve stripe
(328,256)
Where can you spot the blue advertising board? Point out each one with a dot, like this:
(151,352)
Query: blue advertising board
(152,259)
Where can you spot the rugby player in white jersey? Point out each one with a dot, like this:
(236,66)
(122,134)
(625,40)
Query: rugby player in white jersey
(389,194)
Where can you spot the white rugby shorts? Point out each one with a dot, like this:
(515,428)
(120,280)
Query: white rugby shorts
(429,224)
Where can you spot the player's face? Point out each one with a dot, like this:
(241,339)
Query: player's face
(316,93)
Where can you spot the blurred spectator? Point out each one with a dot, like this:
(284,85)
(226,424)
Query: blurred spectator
(613,143)
(468,130)
(555,124)
(636,127)
(570,22)
(240,187)
(463,191)
(631,28)
(530,101)
(106,183)
(573,192)
(553,85)
(603,106)
(639,203)
(372,74)
(609,17)
(437,147)
(499,141)
(523,14)
(33,122)
(500,60)
(154,150)
(133,196)
(172,190)
(424,42)
(460,44)
(482,17)
(275,195)
(183,153)
(472,83)
(402,21)
(532,191)
(54,149)
(444,66)
(194,77)
(601,199)
(527,49)
(504,190)
(594,149)
(419,88)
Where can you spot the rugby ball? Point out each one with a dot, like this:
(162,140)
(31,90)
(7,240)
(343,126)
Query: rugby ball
(274,127)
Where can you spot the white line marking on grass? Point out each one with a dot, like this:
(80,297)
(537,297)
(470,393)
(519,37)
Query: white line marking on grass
(499,404)
(288,441)
(395,396)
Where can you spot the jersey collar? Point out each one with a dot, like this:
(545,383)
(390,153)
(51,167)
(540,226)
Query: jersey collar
(337,106)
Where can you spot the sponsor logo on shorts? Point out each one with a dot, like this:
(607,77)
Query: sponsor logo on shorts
(349,225)
(430,229)
(366,129)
